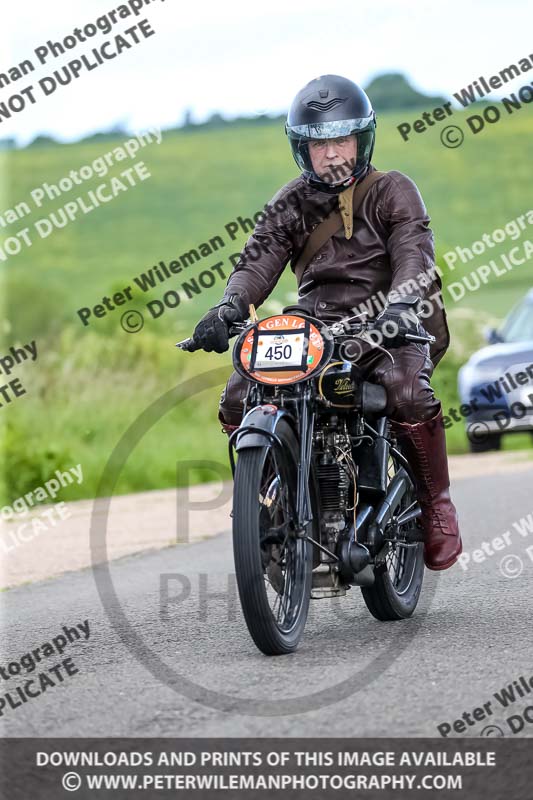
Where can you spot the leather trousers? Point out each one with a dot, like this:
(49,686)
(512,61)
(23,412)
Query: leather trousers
(407,381)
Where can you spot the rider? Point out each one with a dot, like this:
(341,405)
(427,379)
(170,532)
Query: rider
(389,254)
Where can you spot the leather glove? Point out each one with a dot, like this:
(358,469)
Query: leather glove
(397,319)
(212,331)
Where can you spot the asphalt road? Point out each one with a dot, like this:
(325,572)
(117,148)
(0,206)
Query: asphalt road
(352,675)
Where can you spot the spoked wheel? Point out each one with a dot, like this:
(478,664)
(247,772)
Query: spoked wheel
(400,570)
(272,565)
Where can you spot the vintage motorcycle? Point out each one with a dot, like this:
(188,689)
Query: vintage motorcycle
(323,497)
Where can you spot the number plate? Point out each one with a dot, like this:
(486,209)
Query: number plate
(280,349)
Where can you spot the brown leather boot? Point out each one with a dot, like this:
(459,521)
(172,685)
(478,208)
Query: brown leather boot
(424,446)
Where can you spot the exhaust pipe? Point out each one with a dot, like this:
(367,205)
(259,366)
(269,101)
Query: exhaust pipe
(397,488)
(364,578)
(358,555)
(354,556)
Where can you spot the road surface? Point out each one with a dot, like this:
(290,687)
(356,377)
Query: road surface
(176,611)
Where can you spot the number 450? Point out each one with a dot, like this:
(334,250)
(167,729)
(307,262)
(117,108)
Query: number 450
(279,351)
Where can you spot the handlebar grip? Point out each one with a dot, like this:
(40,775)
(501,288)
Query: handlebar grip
(187,344)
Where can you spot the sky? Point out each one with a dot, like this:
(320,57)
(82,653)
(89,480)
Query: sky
(246,58)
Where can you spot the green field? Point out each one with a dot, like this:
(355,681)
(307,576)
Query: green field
(89,384)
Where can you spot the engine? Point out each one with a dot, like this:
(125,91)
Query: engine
(334,484)
(335,472)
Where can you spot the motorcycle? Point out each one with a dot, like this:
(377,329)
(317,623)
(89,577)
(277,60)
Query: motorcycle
(323,497)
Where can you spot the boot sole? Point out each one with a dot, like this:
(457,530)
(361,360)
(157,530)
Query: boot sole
(448,564)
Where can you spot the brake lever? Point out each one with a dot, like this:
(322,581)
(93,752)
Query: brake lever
(412,337)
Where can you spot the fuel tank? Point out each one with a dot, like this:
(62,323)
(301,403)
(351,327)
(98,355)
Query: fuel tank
(337,384)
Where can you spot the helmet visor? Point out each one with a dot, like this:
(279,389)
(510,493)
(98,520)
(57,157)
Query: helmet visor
(328,130)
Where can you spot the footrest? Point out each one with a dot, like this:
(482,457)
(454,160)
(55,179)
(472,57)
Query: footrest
(416,535)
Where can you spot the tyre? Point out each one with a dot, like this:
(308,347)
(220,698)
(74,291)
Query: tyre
(493,441)
(273,566)
(399,572)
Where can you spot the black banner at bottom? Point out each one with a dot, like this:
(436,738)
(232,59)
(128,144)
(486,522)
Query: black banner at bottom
(489,769)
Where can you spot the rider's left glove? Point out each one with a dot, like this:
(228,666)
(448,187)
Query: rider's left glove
(212,331)
(398,319)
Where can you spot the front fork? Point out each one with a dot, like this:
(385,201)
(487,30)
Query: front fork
(259,425)
(304,510)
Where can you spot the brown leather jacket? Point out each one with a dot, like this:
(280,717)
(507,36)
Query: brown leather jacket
(391,249)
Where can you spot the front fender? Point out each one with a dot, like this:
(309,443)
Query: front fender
(266,418)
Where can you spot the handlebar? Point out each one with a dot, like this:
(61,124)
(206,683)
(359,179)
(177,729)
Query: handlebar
(347,328)
(187,344)
(338,329)
(190,346)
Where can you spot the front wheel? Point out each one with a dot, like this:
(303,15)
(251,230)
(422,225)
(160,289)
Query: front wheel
(272,565)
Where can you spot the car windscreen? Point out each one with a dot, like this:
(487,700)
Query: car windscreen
(519,325)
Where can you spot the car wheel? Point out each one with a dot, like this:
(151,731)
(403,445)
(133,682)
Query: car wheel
(493,441)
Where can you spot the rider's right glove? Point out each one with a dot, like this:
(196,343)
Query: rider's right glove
(212,332)
(397,319)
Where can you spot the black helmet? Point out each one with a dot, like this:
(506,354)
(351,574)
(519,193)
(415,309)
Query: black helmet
(328,107)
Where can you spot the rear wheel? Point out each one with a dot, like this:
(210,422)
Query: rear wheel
(399,570)
(272,565)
